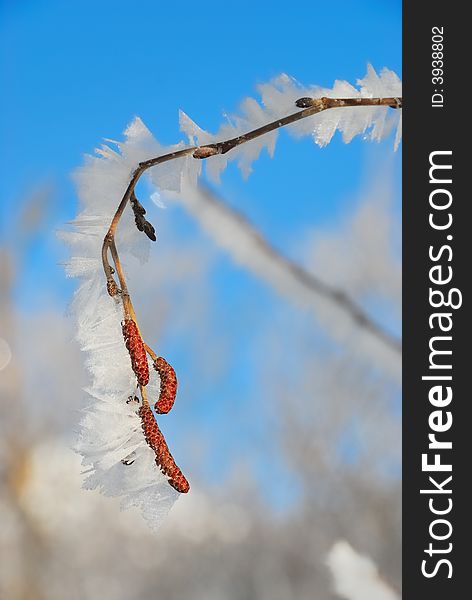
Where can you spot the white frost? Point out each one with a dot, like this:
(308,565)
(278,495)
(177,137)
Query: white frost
(110,430)
(278,100)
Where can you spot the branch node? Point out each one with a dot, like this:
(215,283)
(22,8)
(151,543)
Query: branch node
(319,103)
(112,287)
(304,102)
(207,151)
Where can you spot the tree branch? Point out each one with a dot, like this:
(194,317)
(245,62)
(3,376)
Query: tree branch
(311,106)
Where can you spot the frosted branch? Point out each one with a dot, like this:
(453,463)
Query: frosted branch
(316,105)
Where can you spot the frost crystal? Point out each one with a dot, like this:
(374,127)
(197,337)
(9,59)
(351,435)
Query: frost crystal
(278,100)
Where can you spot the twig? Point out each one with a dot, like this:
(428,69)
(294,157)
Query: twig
(311,107)
(141,168)
(317,105)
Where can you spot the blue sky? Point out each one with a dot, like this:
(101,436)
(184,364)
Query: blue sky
(76,72)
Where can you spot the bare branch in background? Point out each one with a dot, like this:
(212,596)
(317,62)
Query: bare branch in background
(237,235)
(35,209)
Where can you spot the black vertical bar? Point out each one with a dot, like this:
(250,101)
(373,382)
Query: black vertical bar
(437,118)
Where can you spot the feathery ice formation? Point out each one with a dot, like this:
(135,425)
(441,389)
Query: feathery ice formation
(117,436)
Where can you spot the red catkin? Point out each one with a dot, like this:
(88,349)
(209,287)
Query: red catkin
(137,351)
(164,459)
(168,385)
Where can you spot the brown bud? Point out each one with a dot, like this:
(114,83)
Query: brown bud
(141,223)
(137,351)
(112,288)
(205,152)
(149,230)
(164,459)
(304,102)
(168,385)
(319,103)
